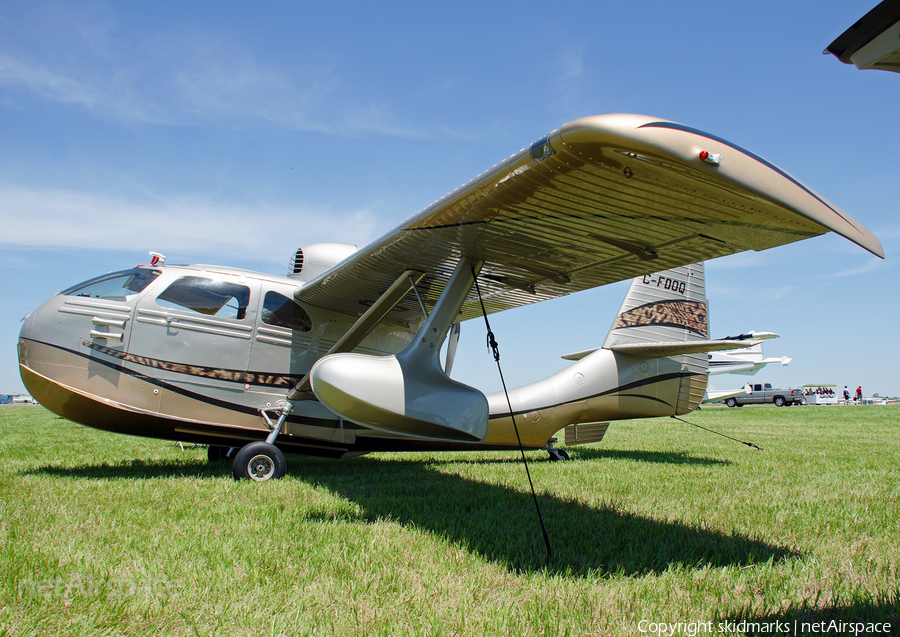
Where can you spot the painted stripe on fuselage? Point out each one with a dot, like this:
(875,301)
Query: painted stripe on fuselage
(621,388)
(328,423)
(321,422)
(218,373)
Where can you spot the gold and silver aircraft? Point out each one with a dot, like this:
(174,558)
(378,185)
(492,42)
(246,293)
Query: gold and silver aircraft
(341,357)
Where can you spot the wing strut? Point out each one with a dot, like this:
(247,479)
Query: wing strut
(353,337)
(365,324)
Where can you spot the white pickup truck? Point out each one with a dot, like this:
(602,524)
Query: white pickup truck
(764,393)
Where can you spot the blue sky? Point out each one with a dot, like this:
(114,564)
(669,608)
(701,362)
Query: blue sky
(231,133)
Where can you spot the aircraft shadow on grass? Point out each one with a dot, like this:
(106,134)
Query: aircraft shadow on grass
(495,521)
(500,523)
(665,457)
(133,470)
(661,457)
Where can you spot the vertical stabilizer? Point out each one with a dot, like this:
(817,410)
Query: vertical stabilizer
(668,307)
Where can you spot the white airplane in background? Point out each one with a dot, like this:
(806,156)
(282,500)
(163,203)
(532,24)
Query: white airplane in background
(341,357)
(746,362)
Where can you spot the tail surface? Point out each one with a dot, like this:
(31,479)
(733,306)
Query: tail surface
(665,307)
(654,362)
(666,314)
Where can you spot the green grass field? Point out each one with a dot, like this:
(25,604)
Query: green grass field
(660,522)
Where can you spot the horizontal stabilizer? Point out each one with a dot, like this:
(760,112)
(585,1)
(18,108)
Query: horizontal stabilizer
(577,356)
(656,350)
(715,395)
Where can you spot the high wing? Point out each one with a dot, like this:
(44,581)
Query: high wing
(871,42)
(600,200)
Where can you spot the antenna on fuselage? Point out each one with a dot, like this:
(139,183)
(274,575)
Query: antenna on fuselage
(155,259)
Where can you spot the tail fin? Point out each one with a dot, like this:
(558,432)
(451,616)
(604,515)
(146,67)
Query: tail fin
(665,315)
(666,307)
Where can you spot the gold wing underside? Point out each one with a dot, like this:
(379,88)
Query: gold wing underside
(563,217)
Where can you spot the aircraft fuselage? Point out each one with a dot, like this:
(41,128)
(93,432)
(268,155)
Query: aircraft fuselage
(198,353)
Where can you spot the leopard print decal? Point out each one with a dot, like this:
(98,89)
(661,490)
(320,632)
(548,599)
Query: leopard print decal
(690,315)
(234,375)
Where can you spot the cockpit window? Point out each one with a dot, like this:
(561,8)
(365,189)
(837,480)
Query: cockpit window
(281,311)
(115,286)
(206,296)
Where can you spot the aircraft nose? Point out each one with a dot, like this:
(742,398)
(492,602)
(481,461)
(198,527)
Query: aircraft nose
(26,334)
(27,325)
(40,329)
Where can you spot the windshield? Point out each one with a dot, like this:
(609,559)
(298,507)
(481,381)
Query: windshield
(115,286)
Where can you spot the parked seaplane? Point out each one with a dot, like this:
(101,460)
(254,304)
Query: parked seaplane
(341,357)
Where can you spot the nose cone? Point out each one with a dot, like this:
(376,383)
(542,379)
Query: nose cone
(27,326)
(49,350)
(34,383)
(26,336)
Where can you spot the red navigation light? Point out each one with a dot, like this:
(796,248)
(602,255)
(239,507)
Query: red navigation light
(709,158)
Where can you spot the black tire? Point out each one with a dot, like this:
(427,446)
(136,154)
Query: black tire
(557,455)
(731,402)
(779,401)
(215,453)
(259,461)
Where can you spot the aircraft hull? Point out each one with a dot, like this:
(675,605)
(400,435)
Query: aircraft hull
(118,401)
(130,364)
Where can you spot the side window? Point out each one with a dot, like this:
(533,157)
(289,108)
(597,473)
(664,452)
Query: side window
(205,296)
(281,311)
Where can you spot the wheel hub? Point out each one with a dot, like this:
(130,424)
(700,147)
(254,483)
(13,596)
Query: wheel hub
(261,468)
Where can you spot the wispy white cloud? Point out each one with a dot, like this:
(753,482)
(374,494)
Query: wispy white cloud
(871,265)
(108,96)
(753,292)
(190,77)
(192,225)
(47,84)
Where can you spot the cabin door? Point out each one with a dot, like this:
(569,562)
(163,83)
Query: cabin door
(192,341)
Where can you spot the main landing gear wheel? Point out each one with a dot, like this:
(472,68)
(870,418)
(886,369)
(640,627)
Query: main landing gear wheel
(557,454)
(259,461)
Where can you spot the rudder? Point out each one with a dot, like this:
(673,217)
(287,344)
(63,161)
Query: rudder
(668,307)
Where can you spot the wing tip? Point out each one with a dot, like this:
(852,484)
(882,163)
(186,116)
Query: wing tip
(776,185)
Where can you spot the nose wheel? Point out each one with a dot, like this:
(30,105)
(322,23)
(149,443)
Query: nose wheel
(259,461)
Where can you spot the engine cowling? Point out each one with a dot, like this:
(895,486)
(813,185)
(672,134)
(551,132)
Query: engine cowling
(311,260)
